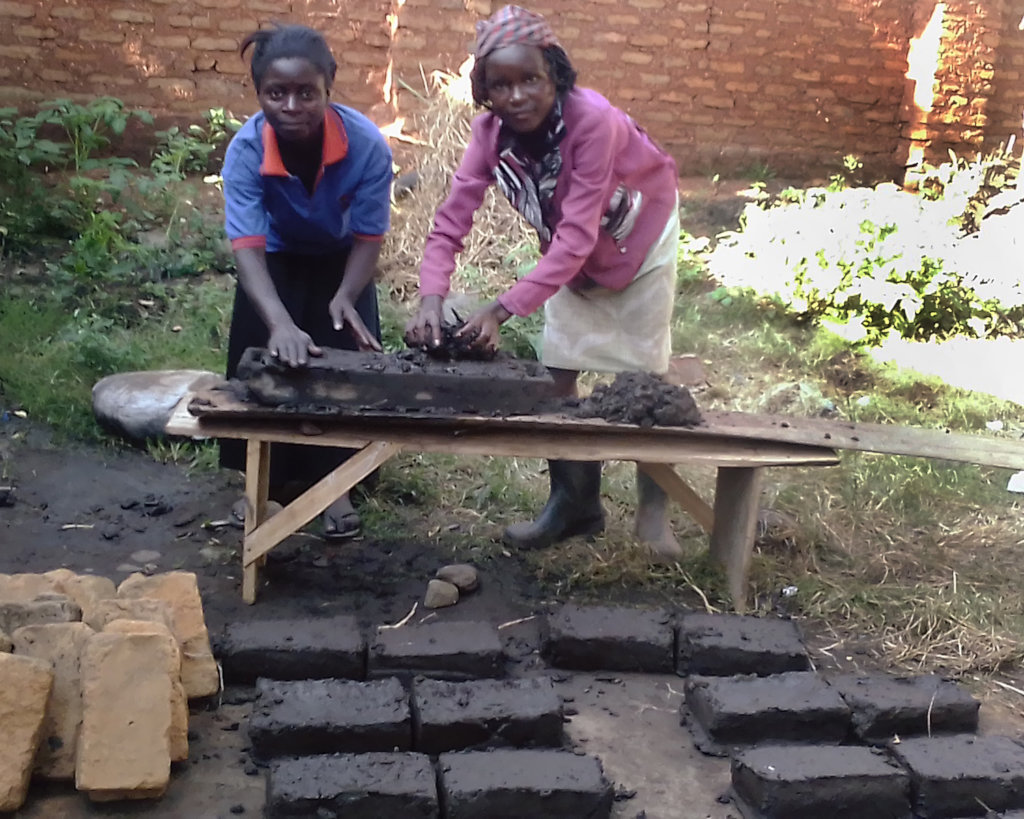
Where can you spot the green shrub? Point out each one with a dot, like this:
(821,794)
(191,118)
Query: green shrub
(192,150)
(873,262)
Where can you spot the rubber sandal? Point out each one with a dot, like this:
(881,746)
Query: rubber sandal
(343,527)
(236,517)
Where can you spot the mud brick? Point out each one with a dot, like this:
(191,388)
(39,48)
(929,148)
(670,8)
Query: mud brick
(25,684)
(957,775)
(46,608)
(724,712)
(408,380)
(812,781)
(356,786)
(305,717)
(884,706)
(60,645)
(726,644)
(605,638)
(180,591)
(507,784)
(124,741)
(293,650)
(455,651)
(451,716)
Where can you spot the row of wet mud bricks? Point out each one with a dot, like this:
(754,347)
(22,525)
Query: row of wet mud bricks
(802,744)
(396,727)
(95,681)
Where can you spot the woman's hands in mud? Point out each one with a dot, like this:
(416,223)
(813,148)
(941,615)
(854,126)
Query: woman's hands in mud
(481,329)
(343,312)
(424,329)
(291,345)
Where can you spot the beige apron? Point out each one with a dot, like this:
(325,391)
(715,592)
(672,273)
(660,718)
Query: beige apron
(604,330)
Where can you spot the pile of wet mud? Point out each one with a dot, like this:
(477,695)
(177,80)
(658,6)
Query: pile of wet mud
(643,399)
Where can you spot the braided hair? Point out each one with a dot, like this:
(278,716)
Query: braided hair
(560,71)
(283,42)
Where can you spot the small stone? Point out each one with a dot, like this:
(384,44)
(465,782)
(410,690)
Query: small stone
(128,568)
(5,643)
(462,575)
(145,556)
(440,594)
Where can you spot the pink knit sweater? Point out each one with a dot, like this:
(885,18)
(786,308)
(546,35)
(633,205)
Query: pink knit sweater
(602,150)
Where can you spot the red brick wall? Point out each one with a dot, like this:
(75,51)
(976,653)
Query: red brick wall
(726,85)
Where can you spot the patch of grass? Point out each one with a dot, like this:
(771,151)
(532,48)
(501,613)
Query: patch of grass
(54,358)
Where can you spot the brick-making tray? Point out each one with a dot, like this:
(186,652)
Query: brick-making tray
(398,382)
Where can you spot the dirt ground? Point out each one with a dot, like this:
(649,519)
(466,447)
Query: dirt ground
(99,510)
(107,511)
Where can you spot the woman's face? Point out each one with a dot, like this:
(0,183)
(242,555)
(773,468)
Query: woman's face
(293,96)
(518,86)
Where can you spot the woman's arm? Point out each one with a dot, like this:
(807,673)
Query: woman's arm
(359,273)
(452,223)
(286,340)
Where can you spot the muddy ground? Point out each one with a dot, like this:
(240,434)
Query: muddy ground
(100,510)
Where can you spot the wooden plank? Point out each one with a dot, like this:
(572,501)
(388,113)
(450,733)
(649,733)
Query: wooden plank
(737,498)
(577,443)
(677,489)
(315,500)
(889,439)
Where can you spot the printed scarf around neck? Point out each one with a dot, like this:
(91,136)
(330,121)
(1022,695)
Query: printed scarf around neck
(528,183)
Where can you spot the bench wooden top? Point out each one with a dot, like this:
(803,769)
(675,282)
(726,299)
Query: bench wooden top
(741,438)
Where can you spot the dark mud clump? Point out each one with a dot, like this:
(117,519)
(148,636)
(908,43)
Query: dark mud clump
(454,348)
(642,399)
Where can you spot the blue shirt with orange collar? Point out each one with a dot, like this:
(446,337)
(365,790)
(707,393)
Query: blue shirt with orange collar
(267,207)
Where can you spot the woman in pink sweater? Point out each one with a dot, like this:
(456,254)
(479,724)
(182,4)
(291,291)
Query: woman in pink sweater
(602,197)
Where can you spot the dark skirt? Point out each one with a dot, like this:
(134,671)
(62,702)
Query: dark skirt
(306,285)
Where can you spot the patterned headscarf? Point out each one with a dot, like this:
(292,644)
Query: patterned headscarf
(512,25)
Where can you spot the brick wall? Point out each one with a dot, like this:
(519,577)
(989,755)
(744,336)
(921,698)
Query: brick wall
(726,85)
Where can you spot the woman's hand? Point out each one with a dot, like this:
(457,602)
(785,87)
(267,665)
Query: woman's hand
(291,345)
(481,329)
(342,312)
(424,329)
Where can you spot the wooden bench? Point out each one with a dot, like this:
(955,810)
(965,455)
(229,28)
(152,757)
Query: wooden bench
(739,445)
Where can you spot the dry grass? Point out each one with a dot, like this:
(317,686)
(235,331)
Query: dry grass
(441,133)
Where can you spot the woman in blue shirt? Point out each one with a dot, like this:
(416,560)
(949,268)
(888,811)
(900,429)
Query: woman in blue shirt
(307,203)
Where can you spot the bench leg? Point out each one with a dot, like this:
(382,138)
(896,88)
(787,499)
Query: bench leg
(257,487)
(737,499)
(308,505)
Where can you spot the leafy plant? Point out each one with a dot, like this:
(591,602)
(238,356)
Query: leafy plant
(26,208)
(191,150)
(870,262)
(89,127)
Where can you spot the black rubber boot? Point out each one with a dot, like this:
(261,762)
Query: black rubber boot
(573,508)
